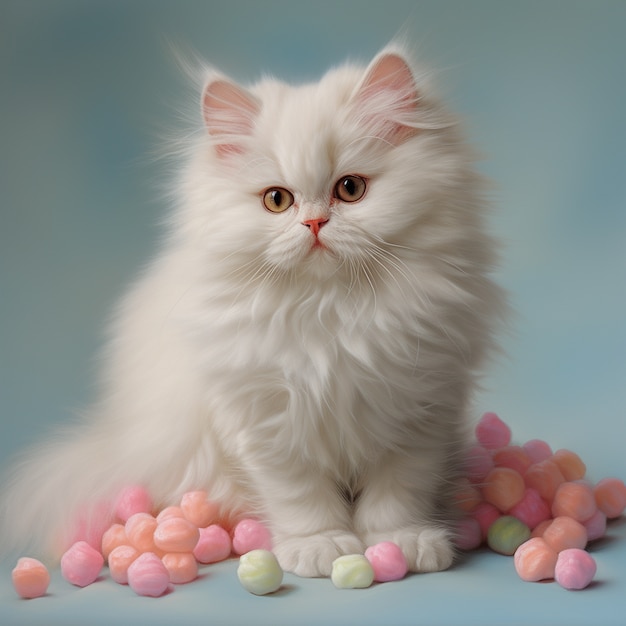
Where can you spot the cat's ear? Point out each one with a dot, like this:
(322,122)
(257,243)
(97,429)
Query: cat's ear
(229,113)
(387,98)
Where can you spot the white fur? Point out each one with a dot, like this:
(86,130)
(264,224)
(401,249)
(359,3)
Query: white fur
(323,390)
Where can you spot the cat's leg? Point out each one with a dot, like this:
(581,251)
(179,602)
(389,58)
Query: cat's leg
(310,520)
(397,504)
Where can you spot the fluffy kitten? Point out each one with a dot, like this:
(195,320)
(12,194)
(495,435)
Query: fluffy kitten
(307,341)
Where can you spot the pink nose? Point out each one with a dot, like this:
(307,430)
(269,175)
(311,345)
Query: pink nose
(315,224)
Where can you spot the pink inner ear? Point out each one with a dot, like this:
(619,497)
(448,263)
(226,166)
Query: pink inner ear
(392,73)
(389,97)
(229,113)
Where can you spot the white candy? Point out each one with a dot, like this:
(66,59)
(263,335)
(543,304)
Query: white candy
(259,572)
(352,571)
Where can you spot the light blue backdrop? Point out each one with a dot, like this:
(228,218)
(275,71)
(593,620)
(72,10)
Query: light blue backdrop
(87,86)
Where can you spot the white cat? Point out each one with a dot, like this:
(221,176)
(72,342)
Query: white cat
(307,341)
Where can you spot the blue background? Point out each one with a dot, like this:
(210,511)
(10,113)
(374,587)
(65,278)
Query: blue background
(87,87)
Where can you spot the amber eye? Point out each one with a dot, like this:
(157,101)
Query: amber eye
(277,199)
(350,188)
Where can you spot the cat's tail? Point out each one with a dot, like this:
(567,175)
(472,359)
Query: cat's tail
(44,489)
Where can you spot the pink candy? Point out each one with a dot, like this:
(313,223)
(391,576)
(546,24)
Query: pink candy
(81,564)
(250,534)
(131,500)
(492,432)
(574,569)
(387,561)
(213,545)
(147,576)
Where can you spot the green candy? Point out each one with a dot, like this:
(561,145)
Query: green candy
(352,571)
(507,534)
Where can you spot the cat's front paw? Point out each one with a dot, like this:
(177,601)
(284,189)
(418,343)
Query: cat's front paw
(426,548)
(312,556)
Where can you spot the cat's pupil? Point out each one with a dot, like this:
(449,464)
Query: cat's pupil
(277,197)
(350,186)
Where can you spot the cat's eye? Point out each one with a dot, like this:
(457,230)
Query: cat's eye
(350,188)
(277,199)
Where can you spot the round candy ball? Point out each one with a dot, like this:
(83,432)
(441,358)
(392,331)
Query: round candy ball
(250,534)
(30,578)
(352,571)
(147,576)
(81,564)
(575,569)
(259,572)
(388,560)
(535,560)
(507,534)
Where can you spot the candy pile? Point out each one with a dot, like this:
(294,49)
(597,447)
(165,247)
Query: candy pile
(524,501)
(534,504)
(146,552)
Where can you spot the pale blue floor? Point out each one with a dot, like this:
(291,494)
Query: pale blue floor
(86,87)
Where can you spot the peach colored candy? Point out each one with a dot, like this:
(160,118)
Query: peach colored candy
(119,562)
(532,509)
(30,578)
(574,569)
(610,495)
(182,567)
(537,450)
(176,535)
(574,500)
(570,464)
(512,457)
(140,529)
(467,537)
(387,561)
(132,499)
(147,576)
(544,477)
(535,560)
(115,536)
(485,514)
(541,528)
(491,432)
(478,463)
(250,534)
(198,509)
(467,496)
(168,512)
(81,564)
(564,533)
(213,545)
(595,526)
(503,488)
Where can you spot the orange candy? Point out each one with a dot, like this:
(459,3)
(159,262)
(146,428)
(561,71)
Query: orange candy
(182,567)
(197,508)
(610,496)
(140,529)
(544,477)
(570,464)
(575,500)
(513,457)
(113,537)
(30,578)
(120,560)
(535,560)
(176,535)
(504,488)
(564,533)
